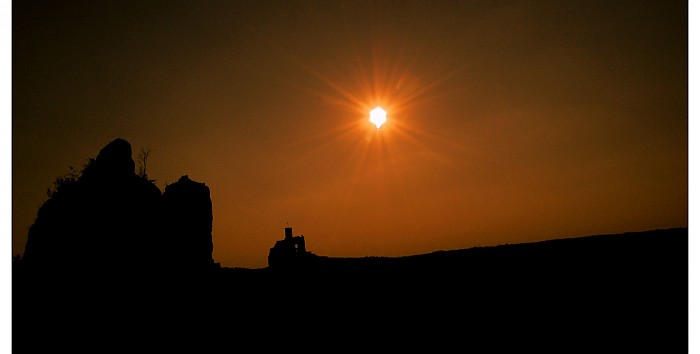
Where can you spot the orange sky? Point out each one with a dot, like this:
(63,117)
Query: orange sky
(508,122)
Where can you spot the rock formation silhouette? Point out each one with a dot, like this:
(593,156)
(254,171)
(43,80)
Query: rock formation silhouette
(109,247)
(188,225)
(106,220)
(112,221)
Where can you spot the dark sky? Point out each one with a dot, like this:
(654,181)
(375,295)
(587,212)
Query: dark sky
(508,121)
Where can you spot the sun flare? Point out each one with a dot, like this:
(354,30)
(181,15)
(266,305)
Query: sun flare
(377,116)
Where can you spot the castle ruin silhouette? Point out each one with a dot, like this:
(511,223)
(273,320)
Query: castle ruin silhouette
(289,252)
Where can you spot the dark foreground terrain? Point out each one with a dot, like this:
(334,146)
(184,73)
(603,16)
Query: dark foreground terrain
(621,293)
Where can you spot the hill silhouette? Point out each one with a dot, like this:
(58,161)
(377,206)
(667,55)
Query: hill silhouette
(604,293)
(114,265)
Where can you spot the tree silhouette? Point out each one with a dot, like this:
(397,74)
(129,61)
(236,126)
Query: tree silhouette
(142,160)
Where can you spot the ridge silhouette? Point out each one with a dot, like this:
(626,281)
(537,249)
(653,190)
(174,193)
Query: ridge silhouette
(112,264)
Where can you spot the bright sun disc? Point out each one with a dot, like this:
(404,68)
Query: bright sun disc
(377,116)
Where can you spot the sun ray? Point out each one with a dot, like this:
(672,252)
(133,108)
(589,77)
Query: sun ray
(360,146)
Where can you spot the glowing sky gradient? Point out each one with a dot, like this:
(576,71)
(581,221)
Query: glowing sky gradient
(510,121)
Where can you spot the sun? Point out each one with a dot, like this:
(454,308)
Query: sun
(377,116)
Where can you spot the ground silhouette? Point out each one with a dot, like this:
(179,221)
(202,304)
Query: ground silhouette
(114,265)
